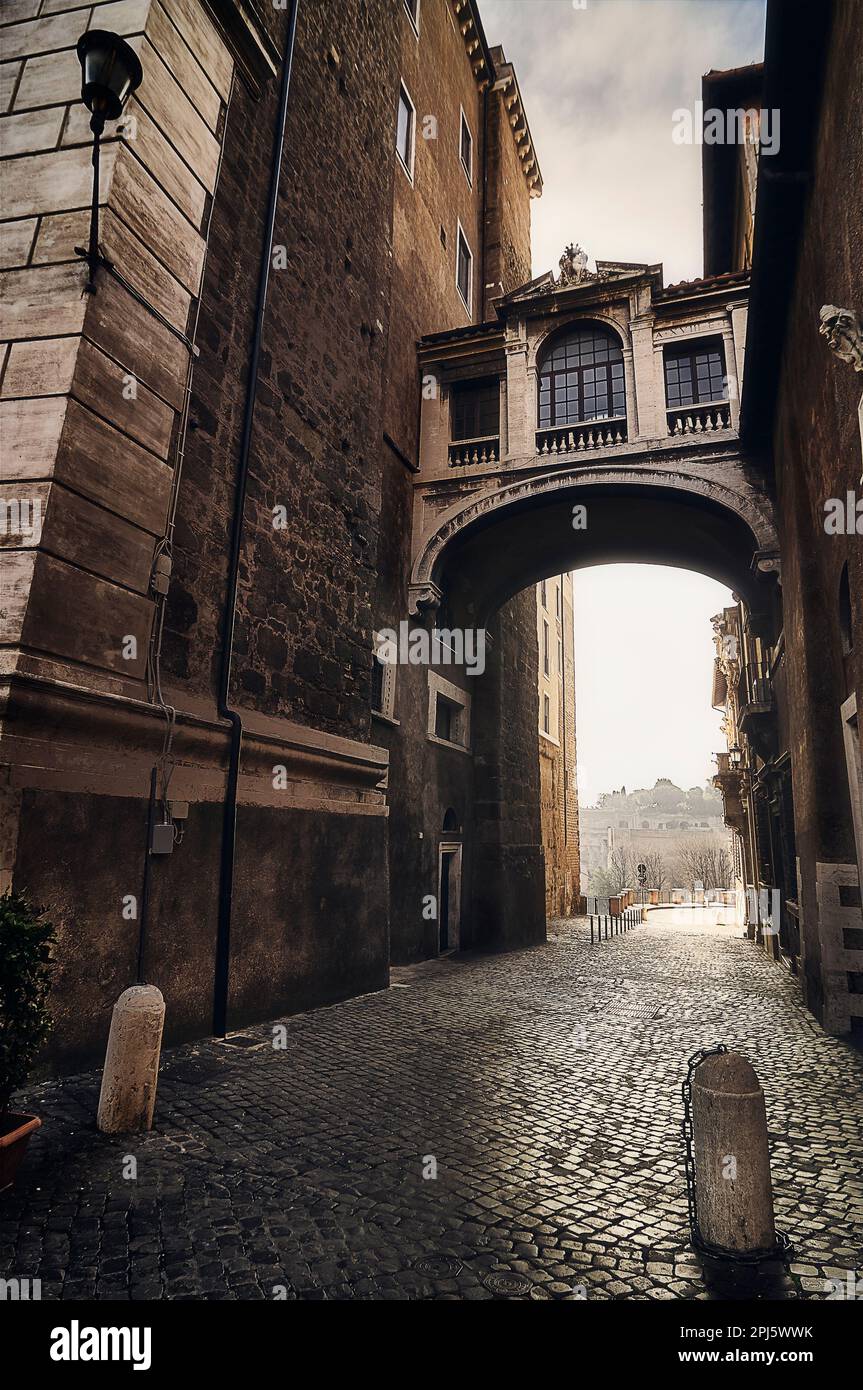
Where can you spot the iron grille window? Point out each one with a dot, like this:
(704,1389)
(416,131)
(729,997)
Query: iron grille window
(476,410)
(581,379)
(695,374)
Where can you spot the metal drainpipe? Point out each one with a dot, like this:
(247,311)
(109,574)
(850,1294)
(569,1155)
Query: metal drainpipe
(229,819)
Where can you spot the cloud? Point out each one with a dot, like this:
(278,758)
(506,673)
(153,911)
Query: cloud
(600,86)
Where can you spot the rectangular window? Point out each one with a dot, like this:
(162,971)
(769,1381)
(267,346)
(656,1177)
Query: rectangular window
(405,132)
(464,269)
(475,409)
(446,716)
(559,655)
(545,662)
(449,713)
(695,374)
(466,149)
(557,599)
(546,715)
(544,592)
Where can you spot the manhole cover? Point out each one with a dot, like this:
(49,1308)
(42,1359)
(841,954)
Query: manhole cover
(632,1008)
(438,1266)
(506,1284)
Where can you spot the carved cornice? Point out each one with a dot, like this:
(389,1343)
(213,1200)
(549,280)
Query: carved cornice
(254,52)
(71,738)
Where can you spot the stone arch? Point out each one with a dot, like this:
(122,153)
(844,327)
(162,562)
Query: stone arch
(736,538)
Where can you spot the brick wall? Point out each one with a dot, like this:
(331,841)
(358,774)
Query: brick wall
(304,618)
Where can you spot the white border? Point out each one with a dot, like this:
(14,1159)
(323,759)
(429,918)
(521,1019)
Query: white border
(468,173)
(415,23)
(468,303)
(408,169)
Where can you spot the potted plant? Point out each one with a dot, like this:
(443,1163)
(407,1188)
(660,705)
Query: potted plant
(25,964)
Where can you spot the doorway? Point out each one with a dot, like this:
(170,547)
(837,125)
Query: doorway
(449,896)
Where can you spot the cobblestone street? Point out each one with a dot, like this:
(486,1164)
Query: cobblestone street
(546,1084)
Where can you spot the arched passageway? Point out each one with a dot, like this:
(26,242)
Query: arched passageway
(476,568)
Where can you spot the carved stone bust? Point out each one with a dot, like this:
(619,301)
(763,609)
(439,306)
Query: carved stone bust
(841,328)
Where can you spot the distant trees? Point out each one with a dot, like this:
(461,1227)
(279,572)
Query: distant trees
(708,864)
(692,862)
(619,874)
(657,874)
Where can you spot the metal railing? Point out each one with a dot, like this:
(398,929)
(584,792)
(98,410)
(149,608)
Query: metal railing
(607,924)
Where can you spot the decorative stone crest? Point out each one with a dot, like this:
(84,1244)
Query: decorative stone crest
(841,328)
(573,266)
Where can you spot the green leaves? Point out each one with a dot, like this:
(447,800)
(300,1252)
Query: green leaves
(25,965)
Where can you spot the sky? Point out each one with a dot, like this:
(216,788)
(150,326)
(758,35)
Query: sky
(600,84)
(643,675)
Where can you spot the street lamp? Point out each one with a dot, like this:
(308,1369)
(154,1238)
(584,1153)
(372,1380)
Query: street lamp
(735,757)
(110,73)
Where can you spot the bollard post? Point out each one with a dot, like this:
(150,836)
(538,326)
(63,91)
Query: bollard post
(591,928)
(733,1191)
(128,1094)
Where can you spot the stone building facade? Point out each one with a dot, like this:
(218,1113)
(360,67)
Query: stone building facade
(224,827)
(792,697)
(651,825)
(557,745)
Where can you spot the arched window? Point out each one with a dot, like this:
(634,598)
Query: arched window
(581,378)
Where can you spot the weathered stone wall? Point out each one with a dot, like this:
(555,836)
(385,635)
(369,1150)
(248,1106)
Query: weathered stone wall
(557,761)
(507,218)
(509,889)
(426,779)
(817,452)
(81,737)
(304,615)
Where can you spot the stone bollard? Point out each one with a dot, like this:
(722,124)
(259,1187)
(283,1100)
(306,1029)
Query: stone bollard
(733,1190)
(128,1094)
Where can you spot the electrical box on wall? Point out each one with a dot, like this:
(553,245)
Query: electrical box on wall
(163,839)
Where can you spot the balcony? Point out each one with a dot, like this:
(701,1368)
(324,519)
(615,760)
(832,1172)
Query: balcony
(464,453)
(729,782)
(756,713)
(592,436)
(699,419)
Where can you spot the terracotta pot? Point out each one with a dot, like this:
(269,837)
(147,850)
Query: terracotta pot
(15,1131)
